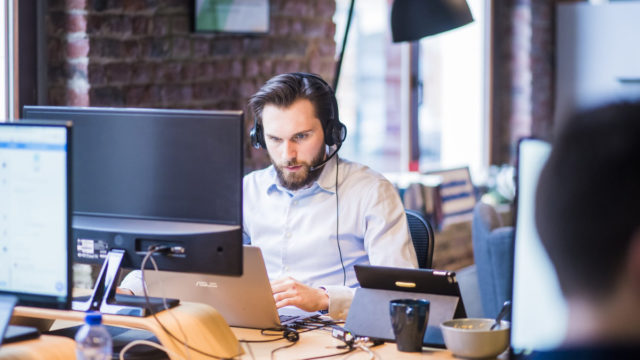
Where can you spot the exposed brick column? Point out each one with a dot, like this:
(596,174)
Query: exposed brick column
(524,77)
(68,49)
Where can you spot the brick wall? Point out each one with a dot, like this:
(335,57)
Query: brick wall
(135,53)
(523,80)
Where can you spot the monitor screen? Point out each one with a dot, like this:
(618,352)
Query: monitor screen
(34,214)
(539,313)
(156,176)
(155,164)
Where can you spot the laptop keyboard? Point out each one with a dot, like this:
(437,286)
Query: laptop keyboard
(285,318)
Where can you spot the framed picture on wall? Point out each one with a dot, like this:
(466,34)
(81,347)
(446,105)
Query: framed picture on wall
(231,16)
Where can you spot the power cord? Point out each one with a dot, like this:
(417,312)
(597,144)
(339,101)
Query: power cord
(164,298)
(126,348)
(166,249)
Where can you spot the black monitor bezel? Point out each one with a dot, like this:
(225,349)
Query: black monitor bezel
(29,110)
(49,301)
(220,253)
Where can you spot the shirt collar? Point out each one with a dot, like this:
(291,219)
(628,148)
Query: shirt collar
(326,181)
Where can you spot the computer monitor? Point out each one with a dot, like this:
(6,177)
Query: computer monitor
(539,312)
(148,177)
(35,217)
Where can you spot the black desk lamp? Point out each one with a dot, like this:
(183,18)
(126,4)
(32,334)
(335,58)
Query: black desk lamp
(414,19)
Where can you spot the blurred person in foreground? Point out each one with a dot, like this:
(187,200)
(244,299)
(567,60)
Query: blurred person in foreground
(588,217)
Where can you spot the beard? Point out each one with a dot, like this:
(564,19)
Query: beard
(301,178)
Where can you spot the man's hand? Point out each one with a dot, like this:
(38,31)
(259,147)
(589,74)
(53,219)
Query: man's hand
(289,291)
(124,291)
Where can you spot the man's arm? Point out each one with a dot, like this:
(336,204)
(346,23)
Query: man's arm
(387,239)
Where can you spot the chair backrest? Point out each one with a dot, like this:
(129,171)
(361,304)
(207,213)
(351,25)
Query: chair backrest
(493,254)
(422,237)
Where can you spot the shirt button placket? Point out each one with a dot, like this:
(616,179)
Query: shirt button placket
(287,238)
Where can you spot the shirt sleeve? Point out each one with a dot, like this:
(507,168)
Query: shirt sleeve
(386,239)
(340,298)
(133,282)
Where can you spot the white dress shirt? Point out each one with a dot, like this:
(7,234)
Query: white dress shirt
(296,230)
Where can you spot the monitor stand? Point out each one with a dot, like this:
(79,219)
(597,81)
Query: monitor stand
(105,300)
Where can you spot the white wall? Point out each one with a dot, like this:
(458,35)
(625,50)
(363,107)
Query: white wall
(598,55)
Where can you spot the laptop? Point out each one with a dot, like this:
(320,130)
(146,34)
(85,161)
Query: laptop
(243,301)
(12,333)
(369,312)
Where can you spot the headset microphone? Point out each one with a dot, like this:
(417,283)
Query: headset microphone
(323,163)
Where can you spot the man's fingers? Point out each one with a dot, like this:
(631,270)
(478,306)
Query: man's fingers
(281,285)
(283,295)
(290,301)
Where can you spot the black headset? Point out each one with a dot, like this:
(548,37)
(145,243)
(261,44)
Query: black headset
(334,131)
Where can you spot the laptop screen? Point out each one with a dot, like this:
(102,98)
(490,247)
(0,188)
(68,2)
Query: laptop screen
(34,255)
(539,313)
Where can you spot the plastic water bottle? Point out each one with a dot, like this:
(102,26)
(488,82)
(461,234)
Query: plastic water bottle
(93,341)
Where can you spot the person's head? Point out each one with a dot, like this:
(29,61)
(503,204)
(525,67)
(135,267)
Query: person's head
(295,116)
(588,203)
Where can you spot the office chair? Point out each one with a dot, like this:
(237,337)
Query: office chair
(422,237)
(493,254)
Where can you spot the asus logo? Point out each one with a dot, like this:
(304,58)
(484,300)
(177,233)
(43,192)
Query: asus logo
(206,284)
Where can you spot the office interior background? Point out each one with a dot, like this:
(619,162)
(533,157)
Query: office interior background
(480,87)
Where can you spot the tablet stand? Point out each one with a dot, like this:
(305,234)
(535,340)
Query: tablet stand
(105,300)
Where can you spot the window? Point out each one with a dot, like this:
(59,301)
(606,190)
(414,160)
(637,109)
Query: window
(451,114)
(370,85)
(373,92)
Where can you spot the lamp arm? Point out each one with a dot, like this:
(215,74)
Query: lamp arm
(344,44)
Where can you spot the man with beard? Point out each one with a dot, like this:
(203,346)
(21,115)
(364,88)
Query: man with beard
(313,214)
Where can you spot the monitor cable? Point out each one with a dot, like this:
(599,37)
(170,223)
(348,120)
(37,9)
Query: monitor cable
(166,250)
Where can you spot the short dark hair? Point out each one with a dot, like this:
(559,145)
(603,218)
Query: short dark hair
(284,89)
(588,198)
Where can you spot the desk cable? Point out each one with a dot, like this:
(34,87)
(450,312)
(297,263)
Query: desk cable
(351,343)
(148,256)
(290,333)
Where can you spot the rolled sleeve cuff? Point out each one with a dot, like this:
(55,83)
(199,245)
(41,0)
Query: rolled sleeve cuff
(340,298)
(133,282)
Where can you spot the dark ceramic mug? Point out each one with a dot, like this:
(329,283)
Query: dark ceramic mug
(409,321)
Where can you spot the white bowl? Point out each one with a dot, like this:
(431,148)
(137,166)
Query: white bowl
(471,338)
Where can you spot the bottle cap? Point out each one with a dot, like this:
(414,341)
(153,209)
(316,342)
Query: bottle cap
(93,318)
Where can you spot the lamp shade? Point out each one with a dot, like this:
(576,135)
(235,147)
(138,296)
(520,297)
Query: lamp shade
(414,19)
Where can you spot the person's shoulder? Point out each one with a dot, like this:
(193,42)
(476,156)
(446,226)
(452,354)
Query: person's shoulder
(258,178)
(362,174)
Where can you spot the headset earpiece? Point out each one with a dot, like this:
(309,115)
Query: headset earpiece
(257,137)
(334,131)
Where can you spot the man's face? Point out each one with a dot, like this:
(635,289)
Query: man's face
(295,142)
